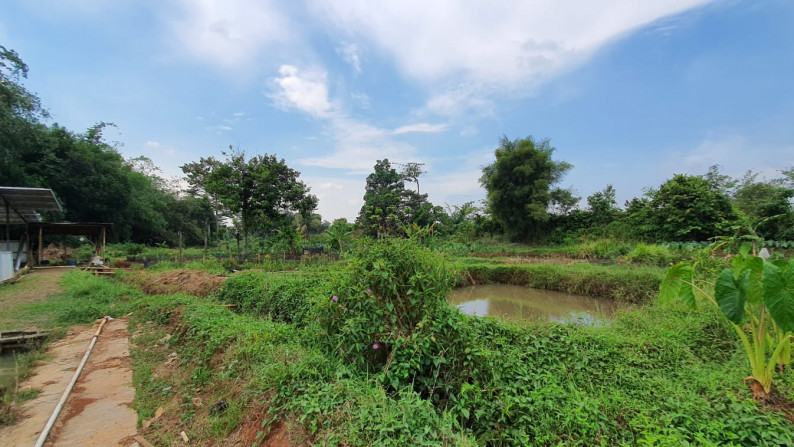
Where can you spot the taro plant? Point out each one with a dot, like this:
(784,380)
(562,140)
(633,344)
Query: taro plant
(757,298)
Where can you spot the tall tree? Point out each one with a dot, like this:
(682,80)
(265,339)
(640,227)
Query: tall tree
(603,206)
(388,205)
(261,188)
(687,208)
(519,185)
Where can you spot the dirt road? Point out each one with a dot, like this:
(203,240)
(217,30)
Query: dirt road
(98,411)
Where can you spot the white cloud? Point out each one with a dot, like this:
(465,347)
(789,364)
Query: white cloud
(357,145)
(152,144)
(350,53)
(733,153)
(420,127)
(487,48)
(360,99)
(230,34)
(302,90)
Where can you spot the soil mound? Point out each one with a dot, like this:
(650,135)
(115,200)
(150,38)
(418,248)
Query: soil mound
(192,282)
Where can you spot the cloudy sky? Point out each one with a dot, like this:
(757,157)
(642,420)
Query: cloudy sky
(630,92)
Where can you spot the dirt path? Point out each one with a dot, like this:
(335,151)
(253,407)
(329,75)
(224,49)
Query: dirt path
(97,412)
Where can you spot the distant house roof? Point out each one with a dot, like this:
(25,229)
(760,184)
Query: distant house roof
(25,204)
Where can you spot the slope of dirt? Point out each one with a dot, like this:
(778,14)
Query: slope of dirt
(192,282)
(97,412)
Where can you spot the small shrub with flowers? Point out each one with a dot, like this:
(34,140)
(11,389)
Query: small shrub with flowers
(388,316)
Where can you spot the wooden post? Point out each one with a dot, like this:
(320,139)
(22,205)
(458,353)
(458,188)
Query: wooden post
(103,235)
(206,240)
(29,255)
(8,226)
(41,244)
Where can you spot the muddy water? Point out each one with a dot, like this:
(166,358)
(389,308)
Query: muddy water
(518,302)
(8,371)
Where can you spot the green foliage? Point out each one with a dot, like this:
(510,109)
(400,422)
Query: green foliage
(388,205)
(686,208)
(625,284)
(650,254)
(519,185)
(604,248)
(746,293)
(388,315)
(280,296)
(260,189)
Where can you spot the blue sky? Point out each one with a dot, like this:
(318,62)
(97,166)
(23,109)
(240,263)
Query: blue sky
(629,92)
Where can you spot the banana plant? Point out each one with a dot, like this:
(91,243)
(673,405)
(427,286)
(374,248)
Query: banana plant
(757,298)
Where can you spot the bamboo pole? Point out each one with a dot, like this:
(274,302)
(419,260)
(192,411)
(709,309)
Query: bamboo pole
(41,245)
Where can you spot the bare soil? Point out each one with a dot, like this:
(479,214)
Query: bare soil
(192,282)
(97,412)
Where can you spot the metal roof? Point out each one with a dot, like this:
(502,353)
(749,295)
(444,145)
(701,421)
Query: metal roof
(74,228)
(25,204)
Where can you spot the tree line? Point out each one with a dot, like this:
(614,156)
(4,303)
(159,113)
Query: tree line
(261,195)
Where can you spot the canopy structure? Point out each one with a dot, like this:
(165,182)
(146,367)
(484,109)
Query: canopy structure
(23,207)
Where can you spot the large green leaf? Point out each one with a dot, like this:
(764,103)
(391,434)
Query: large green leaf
(779,294)
(677,283)
(731,293)
(756,267)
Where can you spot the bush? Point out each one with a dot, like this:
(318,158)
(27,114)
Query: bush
(650,254)
(601,249)
(282,297)
(388,316)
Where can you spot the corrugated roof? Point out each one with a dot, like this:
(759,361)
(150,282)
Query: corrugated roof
(25,204)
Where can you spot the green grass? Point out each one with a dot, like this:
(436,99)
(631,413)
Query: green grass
(618,282)
(658,375)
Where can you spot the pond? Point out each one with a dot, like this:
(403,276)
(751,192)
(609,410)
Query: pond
(8,372)
(519,302)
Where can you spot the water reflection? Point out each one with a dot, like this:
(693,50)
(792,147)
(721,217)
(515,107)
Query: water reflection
(505,300)
(8,370)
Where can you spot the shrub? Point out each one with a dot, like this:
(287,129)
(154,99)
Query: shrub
(650,254)
(601,249)
(282,297)
(388,315)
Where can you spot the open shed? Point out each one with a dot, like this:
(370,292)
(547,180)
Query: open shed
(23,206)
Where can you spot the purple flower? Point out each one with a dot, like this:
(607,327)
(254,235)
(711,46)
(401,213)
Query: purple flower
(369,291)
(375,346)
(335,298)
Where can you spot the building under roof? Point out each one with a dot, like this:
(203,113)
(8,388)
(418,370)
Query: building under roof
(23,206)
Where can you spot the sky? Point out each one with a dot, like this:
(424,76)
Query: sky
(629,92)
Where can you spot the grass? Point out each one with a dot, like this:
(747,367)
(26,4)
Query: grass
(658,375)
(618,282)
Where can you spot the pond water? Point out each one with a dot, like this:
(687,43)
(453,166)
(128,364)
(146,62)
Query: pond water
(519,302)
(7,370)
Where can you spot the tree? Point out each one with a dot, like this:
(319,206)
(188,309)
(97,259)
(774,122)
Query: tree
(338,234)
(602,205)
(388,205)
(519,185)
(262,188)
(411,172)
(766,206)
(687,208)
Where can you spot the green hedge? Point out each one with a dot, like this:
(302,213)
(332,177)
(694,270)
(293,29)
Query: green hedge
(621,283)
(285,297)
